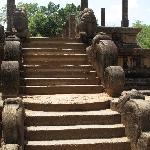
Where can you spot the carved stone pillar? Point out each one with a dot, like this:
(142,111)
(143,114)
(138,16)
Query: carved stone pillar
(84,4)
(72,26)
(125,21)
(10,11)
(102,16)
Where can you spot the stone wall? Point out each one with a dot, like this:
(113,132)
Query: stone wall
(130,53)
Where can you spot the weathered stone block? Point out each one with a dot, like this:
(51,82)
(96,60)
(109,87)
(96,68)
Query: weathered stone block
(10,75)
(13,121)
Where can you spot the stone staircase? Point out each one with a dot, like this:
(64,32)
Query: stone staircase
(63,105)
(57,66)
(73,122)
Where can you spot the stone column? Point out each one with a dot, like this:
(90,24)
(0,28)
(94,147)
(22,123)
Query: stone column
(125,21)
(102,16)
(72,26)
(84,4)
(2,42)
(2,35)
(10,11)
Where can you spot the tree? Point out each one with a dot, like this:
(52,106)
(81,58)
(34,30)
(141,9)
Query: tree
(31,8)
(3,15)
(41,18)
(46,20)
(143,37)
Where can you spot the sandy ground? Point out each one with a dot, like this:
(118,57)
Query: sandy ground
(67,98)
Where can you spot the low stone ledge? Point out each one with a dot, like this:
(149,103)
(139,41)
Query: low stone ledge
(122,30)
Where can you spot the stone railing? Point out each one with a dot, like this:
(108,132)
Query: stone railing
(17,21)
(20,24)
(134,108)
(12,106)
(87,26)
(103,55)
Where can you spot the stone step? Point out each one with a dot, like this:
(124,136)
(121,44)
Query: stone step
(58,81)
(65,67)
(56,62)
(47,133)
(68,45)
(48,39)
(54,51)
(41,118)
(53,57)
(57,73)
(67,102)
(81,144)
(61,89)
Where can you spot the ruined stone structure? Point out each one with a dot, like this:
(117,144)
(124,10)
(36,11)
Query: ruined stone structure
(68,92)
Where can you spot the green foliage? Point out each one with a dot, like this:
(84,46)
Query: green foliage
(45,20)
(143,37)
(42,19)
(31,8)
(3,15)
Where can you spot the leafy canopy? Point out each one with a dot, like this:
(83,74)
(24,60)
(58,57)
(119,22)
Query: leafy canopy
(143,37)
(45,20)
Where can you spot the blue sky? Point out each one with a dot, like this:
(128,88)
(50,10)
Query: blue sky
(138,9)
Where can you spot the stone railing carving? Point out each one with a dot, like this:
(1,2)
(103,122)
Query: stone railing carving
(13,109)
(135,115)
(87,25)
(103,55)
(17,21)
(13,123)
(102,47)
(20,23)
